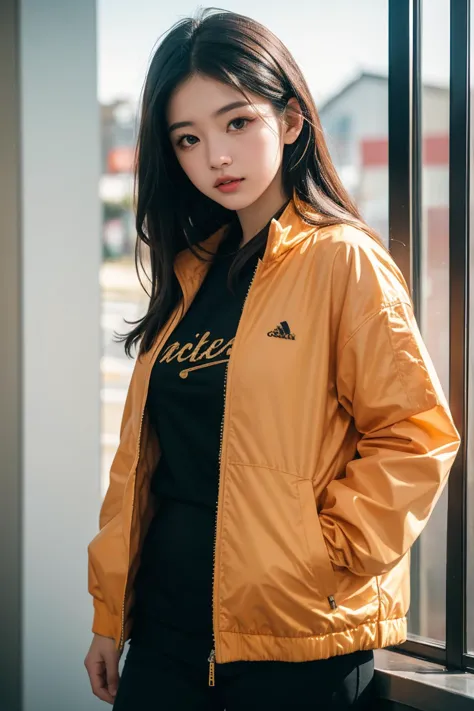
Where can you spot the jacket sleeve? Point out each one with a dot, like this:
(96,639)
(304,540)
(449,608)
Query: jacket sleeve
(385,380)
(110,509)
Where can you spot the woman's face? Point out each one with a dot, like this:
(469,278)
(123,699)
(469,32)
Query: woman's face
(218,136)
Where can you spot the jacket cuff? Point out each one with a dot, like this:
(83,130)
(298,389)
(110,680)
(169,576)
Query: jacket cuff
(104,623)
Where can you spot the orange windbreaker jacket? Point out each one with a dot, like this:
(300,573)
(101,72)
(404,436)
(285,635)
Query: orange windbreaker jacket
(335,446)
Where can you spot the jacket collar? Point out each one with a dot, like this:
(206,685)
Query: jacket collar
(284,234)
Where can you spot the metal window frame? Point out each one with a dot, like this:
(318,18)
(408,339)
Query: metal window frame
(459,165)
(405,234)
(399,135)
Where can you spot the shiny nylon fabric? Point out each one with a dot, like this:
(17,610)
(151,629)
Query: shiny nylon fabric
(335,448)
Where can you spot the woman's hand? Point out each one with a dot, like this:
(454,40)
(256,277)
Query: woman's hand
(102,662)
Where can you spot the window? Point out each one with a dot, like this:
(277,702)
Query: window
(427,618)
(429,201)
(355,121)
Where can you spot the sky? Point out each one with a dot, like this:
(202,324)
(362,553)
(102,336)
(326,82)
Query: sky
(332,40)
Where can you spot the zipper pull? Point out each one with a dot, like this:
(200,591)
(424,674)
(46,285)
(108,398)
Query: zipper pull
(332,602)
(212,660)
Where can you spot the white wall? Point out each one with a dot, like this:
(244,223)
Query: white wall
(52,254)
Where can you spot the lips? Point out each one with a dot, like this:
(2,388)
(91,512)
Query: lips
(226,179)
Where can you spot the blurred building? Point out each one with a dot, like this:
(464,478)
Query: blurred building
(118,126)
(118,133)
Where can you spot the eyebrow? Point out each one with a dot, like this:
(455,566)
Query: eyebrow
(223,110)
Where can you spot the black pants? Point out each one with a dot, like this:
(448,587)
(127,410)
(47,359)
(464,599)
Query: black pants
(163,682)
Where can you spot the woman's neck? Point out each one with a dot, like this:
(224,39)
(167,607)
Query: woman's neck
(254,217)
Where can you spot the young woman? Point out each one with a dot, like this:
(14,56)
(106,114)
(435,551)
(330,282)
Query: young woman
(284,437)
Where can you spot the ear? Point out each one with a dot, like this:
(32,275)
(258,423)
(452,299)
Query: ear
(293,121)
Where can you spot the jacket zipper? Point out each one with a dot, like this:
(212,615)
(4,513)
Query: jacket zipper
(211,660)
(212,655)
(137,459)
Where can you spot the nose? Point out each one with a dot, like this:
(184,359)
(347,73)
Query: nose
(220,162)
(218,158)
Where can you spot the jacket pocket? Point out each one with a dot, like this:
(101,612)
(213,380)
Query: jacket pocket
(318,555)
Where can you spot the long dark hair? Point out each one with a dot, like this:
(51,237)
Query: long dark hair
(242,53)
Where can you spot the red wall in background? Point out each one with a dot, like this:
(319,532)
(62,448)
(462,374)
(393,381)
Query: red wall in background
(121,160)
(375,151)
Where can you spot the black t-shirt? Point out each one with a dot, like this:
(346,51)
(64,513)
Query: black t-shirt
(186,394)
(186,406)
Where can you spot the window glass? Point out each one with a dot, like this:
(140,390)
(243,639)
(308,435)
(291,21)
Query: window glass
(427,618)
